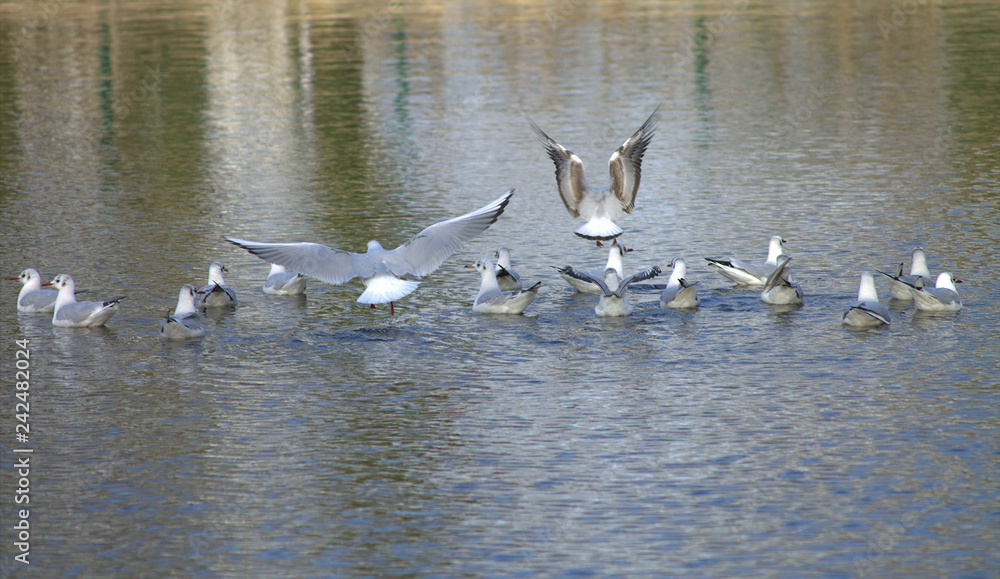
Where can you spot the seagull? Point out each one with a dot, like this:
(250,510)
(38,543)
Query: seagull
(615,262)
(281,282)
(679,293)
(380,269)
(184,322)
(614,299)
(779,289)
(70,313)
(599,207)
(493,300)
(943,297)
(506,277)
(899,284)
(746,273)
(216,293)
(867,312)
(32,298)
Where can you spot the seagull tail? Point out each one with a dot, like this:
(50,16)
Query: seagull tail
(384,289)
(599,228)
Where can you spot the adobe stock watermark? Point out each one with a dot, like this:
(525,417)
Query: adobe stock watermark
(43,14)
(134,98)
(888,535)
(902,10)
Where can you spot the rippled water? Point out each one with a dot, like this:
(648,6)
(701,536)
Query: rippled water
(316,437)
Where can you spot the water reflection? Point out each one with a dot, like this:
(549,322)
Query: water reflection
(314,436)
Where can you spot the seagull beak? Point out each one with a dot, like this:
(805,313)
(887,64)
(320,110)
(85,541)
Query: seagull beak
(957,280)
(47,283)
(470,266)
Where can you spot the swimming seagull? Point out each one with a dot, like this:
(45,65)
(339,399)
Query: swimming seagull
(779,289)
(679,293)
(493,300)
(899,284)
(599,207)
(32,298)
(281,282)
(867,312)
(943,297)
(748,273)
(380,269)
(615,261)
(614,299)
(185,322)
(216,293)
(70,313)
(506,277)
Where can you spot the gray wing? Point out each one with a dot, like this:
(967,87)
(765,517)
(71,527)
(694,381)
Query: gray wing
(427,250)
(625,163)
(586,276)
(569,172)
(779,275)
(648,273)
(319,261)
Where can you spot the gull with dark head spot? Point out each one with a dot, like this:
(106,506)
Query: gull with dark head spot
(281,282)
(216,294)
(381,269)
(491,299)
(779,289)
(614,297)
(679,293)
(600,206)
(943,297)
(867,312)
(899,284)
(616,255)
(70,313)
(32,298)
(185,322)
(750,273)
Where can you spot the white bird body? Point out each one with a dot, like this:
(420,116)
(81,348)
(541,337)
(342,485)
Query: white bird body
(185,322)
(381,269)
(779,289)
(506,276)
(749,273)
(491,299)
(899,284)
(600,206)
(679,293)
(614,300)
(69,313)
(32,298)
(867,312)
(216,293)
(616,262)
(943,297)
(281,282)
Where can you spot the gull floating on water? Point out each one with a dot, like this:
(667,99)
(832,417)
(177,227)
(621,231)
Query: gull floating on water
(899,284)
(679,293)
(614,298)
(748,273)
(507,278)
(867,312)
(32,298)
(599,207)
(70,313)
(779,289)
(615,261)
(380,269)
(185,322)
(943,297)
(216,293)
(493,300)
(281,282)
